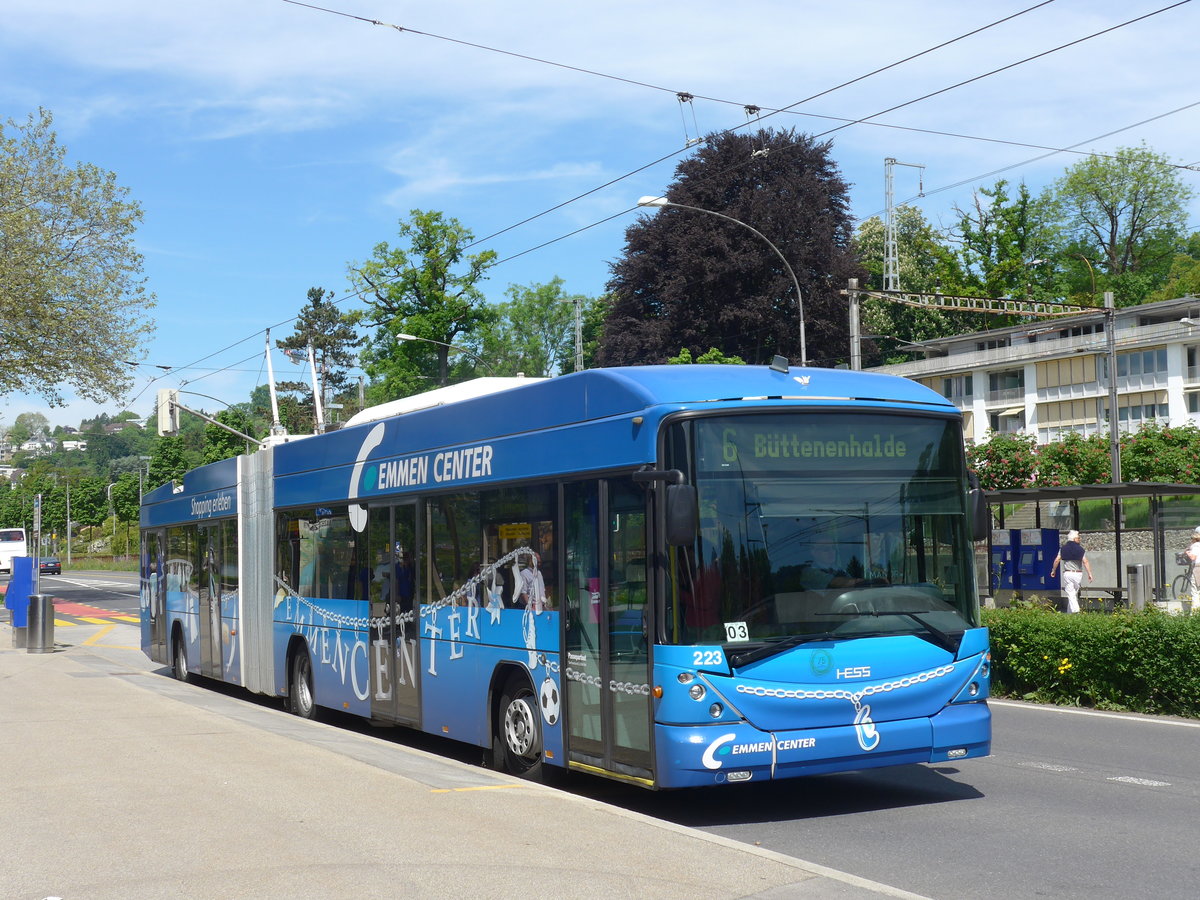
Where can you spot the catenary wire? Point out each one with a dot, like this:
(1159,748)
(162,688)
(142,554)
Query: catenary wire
(789,108)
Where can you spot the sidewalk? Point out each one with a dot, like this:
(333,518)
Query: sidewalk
(119,782)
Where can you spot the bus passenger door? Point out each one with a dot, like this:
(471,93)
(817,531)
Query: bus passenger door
(209,607)
(154,590)
(391,536)
(607,641)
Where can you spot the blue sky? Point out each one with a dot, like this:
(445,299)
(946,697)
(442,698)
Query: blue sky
(271,144)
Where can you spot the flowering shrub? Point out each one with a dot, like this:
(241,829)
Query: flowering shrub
(1162,453)
(1143,662)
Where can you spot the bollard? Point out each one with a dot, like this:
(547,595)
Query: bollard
(1135,578)
(41,624)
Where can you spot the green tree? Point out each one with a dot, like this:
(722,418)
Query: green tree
(27,426)
(1003,239)
(534,331)
(429,289)
(333,338)
(221,444)
(928,264)
(1128,215)
(168,462)
(73,301)
(697,281)
(1184,275)
(712,356)
(125,498)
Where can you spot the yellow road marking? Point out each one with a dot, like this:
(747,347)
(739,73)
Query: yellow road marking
(63,623)
(133,619)
(93,621)
(482,787)
(99,634)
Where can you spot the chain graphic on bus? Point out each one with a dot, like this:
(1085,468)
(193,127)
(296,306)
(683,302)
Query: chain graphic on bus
(864,726)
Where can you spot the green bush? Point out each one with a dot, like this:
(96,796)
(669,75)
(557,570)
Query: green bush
(1145,662)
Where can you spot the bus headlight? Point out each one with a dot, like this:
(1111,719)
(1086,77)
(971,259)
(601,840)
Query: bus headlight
(715,710)
(696,691)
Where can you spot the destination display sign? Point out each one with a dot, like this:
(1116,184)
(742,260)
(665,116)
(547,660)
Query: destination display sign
(822,442)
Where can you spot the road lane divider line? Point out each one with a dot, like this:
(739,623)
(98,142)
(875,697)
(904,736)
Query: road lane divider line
(481,787)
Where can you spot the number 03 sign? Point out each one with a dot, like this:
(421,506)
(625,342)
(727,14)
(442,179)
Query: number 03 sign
(736,631)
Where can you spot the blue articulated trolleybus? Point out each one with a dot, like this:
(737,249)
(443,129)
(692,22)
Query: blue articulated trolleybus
(670,575)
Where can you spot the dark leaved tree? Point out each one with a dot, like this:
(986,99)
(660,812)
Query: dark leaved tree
(695,281)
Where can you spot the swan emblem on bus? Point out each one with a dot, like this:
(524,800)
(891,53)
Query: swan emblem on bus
(868,736)
(358,512)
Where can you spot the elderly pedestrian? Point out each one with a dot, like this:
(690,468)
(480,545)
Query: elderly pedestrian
(1073,559)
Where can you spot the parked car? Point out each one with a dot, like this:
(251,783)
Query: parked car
(49,565)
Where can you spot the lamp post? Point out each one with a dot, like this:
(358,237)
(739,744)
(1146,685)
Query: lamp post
(663,201)
(473,355)
(1091,272)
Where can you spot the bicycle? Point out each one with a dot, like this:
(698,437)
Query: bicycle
(1181,587)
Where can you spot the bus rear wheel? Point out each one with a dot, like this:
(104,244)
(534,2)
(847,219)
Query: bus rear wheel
(300,687)
(179,660)
(517,742)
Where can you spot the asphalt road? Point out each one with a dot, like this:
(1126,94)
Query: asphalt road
(1071,804)
(114,591)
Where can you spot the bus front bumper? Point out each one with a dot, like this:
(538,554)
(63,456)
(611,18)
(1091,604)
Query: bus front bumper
(695,756)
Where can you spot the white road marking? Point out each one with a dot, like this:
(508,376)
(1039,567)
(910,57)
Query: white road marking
(1048,767)
(1100,714)
(1144,782)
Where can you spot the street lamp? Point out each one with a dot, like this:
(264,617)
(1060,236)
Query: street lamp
(1092,273)
(473,355)
(663,201)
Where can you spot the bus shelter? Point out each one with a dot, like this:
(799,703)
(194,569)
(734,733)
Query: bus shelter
(1132,532)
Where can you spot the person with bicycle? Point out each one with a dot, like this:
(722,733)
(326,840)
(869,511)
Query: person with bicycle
(1193,553)
(1073,559)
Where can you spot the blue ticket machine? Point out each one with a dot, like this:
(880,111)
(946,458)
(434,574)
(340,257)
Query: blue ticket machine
(1004,542)
(1035,555)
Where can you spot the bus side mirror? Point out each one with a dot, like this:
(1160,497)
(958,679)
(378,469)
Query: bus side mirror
(981,521)
(683,515)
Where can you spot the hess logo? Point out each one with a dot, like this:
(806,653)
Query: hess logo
(854,672)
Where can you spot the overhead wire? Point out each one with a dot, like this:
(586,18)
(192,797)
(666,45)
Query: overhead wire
(768,112)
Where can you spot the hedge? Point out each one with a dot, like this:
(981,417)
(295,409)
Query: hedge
(1146,662)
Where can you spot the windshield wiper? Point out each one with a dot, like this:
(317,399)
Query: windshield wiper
(746,657)
(944,639)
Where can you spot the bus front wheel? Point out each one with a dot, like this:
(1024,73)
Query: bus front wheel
(300,687)
(517,742)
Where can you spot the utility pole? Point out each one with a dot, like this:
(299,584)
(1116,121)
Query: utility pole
(891,250)
(855,328)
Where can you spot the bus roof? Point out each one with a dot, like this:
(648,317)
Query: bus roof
(506,407)
(599,393)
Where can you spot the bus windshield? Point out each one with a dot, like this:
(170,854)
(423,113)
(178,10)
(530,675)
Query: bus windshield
(820,526)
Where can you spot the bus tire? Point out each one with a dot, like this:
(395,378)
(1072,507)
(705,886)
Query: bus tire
(517,738)
(179,659)
(301,700)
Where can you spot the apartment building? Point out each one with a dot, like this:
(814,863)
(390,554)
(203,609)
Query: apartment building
(1051,376)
